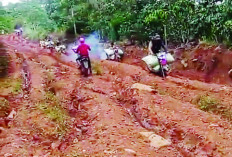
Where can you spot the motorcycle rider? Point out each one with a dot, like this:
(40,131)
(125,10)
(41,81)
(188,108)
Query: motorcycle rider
(50,43)
(154,48)
(83,50)
(156,44)
(49,39)
(58,42)
(115,49)
(112,46)
(60,47)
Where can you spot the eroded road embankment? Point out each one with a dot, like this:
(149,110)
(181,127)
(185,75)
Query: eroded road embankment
(123,111)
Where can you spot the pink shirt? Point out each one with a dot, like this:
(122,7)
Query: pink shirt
(83,50)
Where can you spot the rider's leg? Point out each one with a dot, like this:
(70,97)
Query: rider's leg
(90,66)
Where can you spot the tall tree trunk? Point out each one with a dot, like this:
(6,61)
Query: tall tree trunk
(74,23)
(165,36)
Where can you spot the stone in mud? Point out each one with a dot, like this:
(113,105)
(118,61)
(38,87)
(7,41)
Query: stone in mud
(36,138)
(184,63)
(8,155)
(130,151)
(140,86)
(3,123)
(55,145)
(230,73)
(3,132)
(156,140)
(12,115)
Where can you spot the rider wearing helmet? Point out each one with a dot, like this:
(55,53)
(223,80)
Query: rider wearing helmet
(49,38)
(112,46)
(156,44)
(83,50)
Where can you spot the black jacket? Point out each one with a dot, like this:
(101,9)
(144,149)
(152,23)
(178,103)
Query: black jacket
(157,45)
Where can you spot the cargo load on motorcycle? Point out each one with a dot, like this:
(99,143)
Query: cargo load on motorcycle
(114,53)
(159,62)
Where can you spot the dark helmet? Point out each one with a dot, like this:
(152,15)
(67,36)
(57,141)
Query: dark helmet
(49,37)
(156,37)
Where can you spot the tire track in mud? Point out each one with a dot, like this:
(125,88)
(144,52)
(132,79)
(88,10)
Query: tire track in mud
(28,90)
(138,118)
(188,90)
(34,64)
(135,115)
(9,139)
(184,152)
(157,113)
(168,125)
(118,117)
(95,91)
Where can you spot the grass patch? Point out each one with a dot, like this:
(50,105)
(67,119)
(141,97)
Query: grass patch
(160,90)
(4,107)
(207,42)
(17,86)
(5,83)
(51,108)
(206,103)
(51,98)
(56,114)
(209,104)
(50,77)
(10,85)
(97,69)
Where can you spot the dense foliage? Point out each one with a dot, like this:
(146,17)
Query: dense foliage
(183,20)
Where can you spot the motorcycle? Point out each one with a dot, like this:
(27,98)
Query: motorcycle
(84,66)
(115,54)
(60,49)
(42,44)
(159,63)
(18,32)
(164,67)
(47,44)
(83,63)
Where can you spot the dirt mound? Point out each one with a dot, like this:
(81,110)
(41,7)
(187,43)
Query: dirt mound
(205,63)
(122,110)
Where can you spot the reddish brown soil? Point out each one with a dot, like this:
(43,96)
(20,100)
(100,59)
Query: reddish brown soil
(104,115)
(212,65)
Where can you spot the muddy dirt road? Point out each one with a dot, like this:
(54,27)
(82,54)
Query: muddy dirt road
(122,110)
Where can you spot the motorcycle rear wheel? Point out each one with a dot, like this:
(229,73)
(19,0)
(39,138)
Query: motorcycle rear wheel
(85,69)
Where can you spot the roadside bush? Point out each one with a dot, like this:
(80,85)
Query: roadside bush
(209,104)
(206,103)
(97,69)
(4,107)
(4,61)
(6,24)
